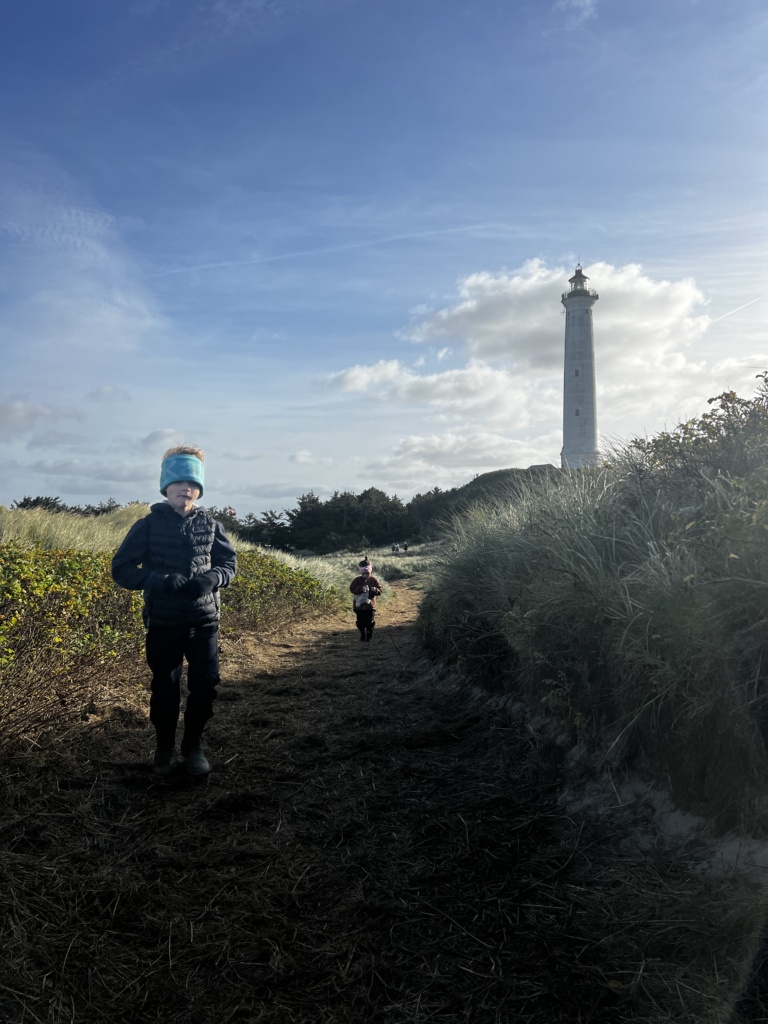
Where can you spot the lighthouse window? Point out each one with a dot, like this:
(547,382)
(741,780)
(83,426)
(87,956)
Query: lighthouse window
(576,373)
(577,412)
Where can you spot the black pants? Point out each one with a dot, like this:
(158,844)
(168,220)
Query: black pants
(166,648)
(365,618)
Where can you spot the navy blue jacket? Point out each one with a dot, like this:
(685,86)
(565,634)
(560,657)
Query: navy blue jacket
(163,543)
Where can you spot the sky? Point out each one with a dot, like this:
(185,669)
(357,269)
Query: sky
(326,240)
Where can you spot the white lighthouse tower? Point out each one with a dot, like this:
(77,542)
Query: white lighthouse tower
(579,404)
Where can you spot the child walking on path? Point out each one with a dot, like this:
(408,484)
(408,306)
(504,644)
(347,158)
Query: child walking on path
(180,557)
(366,588)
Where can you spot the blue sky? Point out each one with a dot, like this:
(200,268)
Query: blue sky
(326,239)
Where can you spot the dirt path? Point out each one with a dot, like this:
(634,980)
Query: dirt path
(372,846)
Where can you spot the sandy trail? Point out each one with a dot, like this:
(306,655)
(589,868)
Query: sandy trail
(371,846)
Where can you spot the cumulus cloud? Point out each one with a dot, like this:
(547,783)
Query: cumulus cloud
(157,439)
(305,457)
(420,462)
(516,315)
(472,390)
(18,415)
(479,451)
(651,360)
(511,315)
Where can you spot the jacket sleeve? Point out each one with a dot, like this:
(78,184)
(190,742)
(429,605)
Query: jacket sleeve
(128,569)
(223,557)
(356,586)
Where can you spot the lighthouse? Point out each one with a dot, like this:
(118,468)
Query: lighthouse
(579,404)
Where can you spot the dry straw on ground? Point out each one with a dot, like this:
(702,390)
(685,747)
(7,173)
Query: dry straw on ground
(371,846)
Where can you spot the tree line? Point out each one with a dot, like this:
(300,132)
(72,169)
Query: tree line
(344,520)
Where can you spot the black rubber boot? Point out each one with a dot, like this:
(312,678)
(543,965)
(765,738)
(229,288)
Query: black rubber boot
(194,760)
(162,764)
(165,731)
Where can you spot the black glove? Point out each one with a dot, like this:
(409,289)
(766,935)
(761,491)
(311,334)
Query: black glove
(172,584)
(201,585)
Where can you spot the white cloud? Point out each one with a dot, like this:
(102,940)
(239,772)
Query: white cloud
(450,459)
(477,389)
(157,439)
(516,315)
(510,315)
(304,457)
(473,451)
(18,415)
(652,367)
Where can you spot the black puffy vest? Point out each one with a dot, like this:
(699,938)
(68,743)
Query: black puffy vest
(179,544)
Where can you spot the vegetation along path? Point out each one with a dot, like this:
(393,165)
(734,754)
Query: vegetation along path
(373,845)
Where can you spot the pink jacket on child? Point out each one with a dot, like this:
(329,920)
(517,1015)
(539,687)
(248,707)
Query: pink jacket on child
(360,582)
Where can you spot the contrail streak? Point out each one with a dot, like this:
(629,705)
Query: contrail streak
(736,310)
(314,252)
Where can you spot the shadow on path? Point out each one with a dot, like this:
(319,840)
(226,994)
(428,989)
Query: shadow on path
(372,845)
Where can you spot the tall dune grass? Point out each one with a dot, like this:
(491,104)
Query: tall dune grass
(67,530)
(73,532)
(636,609)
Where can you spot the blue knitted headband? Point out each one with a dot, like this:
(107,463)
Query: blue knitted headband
(181,467)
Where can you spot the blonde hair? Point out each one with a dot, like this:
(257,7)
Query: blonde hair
(185,449)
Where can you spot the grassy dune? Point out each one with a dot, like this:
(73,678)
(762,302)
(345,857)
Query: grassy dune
(632,603)
(67,530)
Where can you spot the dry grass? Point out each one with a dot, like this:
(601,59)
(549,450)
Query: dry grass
(372,846)
(68,530)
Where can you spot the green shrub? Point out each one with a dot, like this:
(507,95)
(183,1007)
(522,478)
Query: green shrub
(266,591)
(63,602)
(65,628)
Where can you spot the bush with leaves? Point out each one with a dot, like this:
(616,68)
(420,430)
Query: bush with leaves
(67,630)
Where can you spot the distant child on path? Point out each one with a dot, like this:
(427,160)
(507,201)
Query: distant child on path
(180,557)
(366,588)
